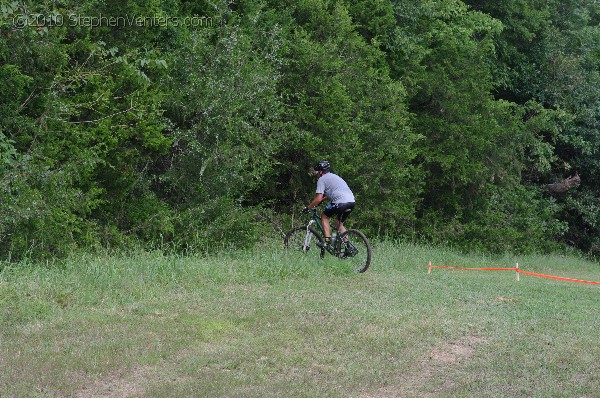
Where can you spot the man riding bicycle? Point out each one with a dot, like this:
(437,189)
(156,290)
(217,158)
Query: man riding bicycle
(333,187)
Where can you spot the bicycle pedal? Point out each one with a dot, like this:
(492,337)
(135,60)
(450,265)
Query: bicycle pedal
(322,245)
(350,252)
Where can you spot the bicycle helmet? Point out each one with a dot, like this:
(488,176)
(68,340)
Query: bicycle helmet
(323,166)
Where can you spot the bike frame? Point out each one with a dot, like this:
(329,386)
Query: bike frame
(315,219)
(346,246)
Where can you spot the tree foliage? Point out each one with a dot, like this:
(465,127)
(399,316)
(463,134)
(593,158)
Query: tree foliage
(181,124)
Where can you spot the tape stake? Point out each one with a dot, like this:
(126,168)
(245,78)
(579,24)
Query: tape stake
(517,271)
(429,268)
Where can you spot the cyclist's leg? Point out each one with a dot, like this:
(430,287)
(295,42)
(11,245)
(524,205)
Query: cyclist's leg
(340,226)
(326,226)
(344,210)
(329,211)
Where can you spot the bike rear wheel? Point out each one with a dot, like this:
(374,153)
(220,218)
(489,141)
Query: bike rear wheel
(354,248)
(297,240)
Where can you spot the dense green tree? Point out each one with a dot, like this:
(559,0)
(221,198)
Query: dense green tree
(85,122)
(450,120)
(227,118)
(342,105)
(549,56)
(475,145)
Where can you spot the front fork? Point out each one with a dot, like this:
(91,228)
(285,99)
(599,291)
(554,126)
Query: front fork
(308,236)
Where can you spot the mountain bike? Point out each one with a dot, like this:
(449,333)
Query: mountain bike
(352,246)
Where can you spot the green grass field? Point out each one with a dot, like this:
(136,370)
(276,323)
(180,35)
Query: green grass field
(269,324)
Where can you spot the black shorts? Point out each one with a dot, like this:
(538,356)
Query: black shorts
(341,210)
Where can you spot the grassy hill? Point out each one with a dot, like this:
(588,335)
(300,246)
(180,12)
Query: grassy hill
(266,324)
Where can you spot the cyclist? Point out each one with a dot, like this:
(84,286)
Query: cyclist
(333,187)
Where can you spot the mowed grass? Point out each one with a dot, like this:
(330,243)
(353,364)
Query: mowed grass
(264,323)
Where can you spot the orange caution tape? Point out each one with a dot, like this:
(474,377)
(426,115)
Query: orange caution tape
(516,269)
(472,269)
(560,278)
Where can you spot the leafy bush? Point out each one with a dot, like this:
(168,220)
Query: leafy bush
(42,213)
(515,220)
(218,224)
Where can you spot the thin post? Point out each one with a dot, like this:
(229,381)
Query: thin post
(517,270)
(429,268)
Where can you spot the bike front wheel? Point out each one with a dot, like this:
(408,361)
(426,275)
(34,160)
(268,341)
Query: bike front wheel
(355,249)
(303,240)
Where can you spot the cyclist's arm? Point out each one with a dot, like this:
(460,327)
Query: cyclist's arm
(318,199)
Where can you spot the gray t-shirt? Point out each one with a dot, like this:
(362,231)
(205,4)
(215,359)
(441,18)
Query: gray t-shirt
(335,188)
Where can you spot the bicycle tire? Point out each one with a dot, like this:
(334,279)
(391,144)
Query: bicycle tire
(294,240)
(354,247)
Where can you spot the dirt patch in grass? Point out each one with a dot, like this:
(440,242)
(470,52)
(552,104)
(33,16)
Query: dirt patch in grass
(118,384)
(450,353)
(431,379)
